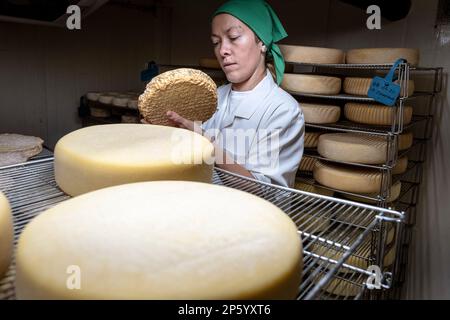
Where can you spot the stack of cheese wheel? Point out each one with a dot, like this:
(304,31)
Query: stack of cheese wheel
(313,189)
(189,92)
(311,84)
(347,178)
(160,240)
(307,164)
(353,147)
(6,234)
(382,55)
(101,156)
(316,55)
(360,86)
(311,139)
(320,113)
(394,193)
(375,114)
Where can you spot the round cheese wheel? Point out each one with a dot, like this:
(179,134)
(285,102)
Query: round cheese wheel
(401,166)
(382,55)
(320,113)
(347,178)
(93,96)
(106,98)
(18,148)
(353,147)
(96,157)
(314,84)
(375,114)
(100,112)
(211,63)
(6,234)
(394,193)
(360,86)
(302,54)
(120,101)
(405,140)
(313,189)
(311,139)
(160,240)
(307,164)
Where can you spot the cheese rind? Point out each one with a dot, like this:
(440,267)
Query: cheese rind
(312,139)
(313,84)
(347,179)
(401,165)
(405,140)
(394,193)
(360,86)
(6,234)
(320,113)
(302,54)
(96,157)
(382,55)
(307,164)
(353,147)
(160,240)
(375,114)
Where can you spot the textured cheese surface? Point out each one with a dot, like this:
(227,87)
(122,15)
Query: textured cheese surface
(161,240)
(6,234)
(209,63)
(189,92)
(405,141)
(353,147)
(302,54)
(401,165)
(307,164)
(313,189)
(320,113)
(347,179)
(312,139)
(304,83)
(394,193)
(101,156)
(360,86)
(375,114)
(382,55)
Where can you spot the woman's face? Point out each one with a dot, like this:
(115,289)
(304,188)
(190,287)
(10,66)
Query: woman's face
(236,48)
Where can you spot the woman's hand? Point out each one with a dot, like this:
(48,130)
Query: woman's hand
(179,121)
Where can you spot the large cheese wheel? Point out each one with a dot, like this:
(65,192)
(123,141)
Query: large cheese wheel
(313,189)
(307,164)
(302,54)
(6,234)
(394,193)
(353,147)
(401,166)
(314,84)
(312,139)
(161,240)
(347,178)
(360,86)
(101,156)
(375,114)
(382,55)
(320,113)
(405,140)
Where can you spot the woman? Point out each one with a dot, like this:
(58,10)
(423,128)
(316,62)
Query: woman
(258,128)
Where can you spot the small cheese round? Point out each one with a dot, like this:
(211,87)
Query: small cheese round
(382,55)
(96,157)
(120,101)
(106,98)
(312,139)
(93,96)
(160,240)
(405,140)
(313,84)
(320,113)
(6,234)
(307,164)
(360,86)
(302,54)
(375,114)
(353,147)
(401,165)
(347,178)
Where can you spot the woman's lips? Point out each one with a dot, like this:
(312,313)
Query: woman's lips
(229,65)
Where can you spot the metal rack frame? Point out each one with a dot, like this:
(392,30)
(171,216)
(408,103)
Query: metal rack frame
(341,228)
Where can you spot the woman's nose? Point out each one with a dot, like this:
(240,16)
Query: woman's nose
(224,49)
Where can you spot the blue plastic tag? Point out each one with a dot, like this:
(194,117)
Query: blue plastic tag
(384,90)
(149,73)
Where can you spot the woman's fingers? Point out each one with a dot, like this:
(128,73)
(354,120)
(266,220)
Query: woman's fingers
(179,120)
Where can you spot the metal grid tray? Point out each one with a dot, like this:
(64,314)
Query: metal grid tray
(341,228)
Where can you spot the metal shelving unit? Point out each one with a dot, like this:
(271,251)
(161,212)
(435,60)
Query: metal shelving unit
(334,232)
(416,154)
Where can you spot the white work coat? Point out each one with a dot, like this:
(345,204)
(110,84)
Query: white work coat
(262,129)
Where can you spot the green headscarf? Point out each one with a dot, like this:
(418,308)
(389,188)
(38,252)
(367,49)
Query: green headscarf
(260,17)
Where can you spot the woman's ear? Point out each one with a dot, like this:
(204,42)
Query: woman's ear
(263,48)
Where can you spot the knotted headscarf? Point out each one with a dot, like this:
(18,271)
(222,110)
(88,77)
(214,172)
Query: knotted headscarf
(260,17)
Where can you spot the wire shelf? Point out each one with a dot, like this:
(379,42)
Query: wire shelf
(349,97)
(31,189)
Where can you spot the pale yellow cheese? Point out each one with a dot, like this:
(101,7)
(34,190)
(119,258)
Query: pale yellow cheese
(320,113)
(401,165)
(302,54)
(382,55)
(375,114)
(405,141)
(120,101)
(353,147)
(6,234)
(313,84)
(160,240)
(307,164)
(360,86)
(312,139)
(313,189)
(346,178)
(101,156)
(394,193)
